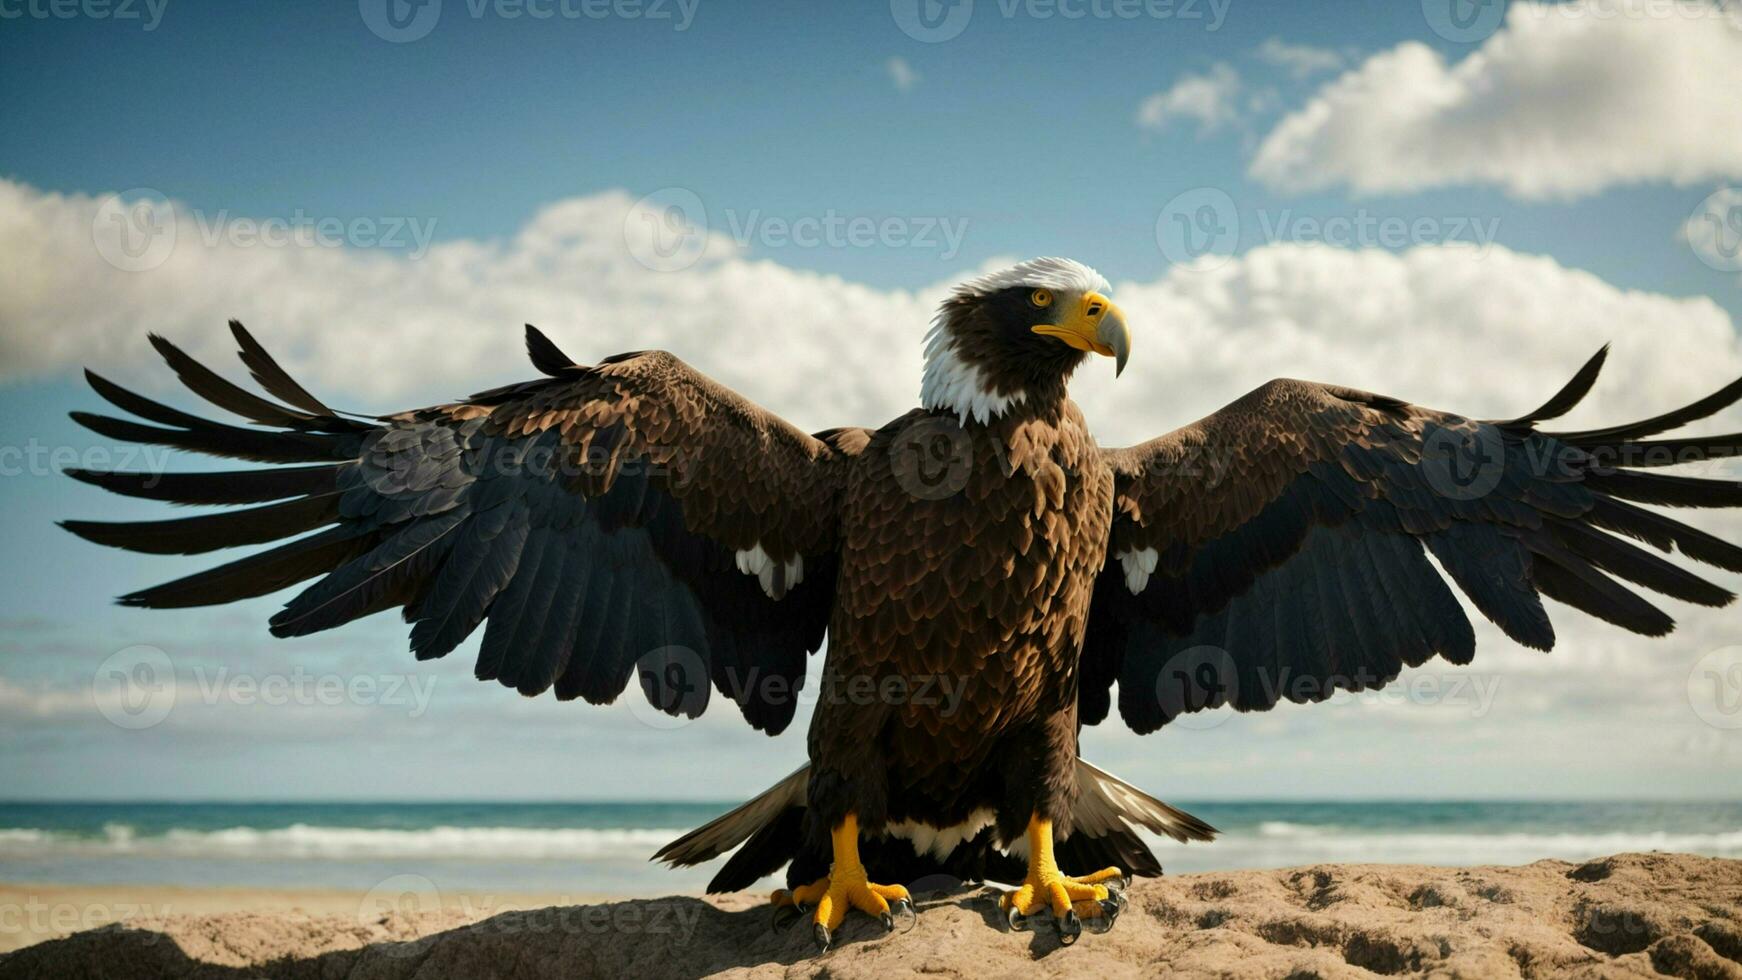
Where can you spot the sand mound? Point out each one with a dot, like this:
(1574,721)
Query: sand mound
(1628,915)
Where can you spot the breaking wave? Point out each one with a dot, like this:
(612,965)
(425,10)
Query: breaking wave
(1279,843)
(306,842)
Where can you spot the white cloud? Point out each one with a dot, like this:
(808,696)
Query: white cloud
(36,704)
(1211,99)
(385,329)
(1485,332)
(902,74)
(1563,101)
(1478,330)
(1300,60)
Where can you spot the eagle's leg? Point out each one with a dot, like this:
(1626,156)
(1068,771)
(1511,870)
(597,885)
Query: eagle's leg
(846,885)
(1097,897)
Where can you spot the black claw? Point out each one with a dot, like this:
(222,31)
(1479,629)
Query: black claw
(821,932)
(1110,909)
(1117,886)
(888,922)
(1015,919)
(784,916)
(1070,927)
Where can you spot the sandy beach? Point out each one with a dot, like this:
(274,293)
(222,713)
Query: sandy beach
(1627,915)
(32,913)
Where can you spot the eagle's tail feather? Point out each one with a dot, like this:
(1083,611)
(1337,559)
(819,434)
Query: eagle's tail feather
(771,828)
(1106,803)
(770,821)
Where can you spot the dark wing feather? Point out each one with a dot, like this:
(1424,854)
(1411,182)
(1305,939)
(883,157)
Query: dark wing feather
(227,441)
(237,487)
(348,593)
(273,378)
(484,560)
(1277,550)
(211,386)
(261,573)
(547,356)
(229,529)
(593,520)
(1571,393)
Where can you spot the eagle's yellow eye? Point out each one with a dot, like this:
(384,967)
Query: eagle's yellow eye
(1041,297)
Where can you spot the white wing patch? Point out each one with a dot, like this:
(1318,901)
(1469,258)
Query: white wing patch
(776,577)
(1138,565)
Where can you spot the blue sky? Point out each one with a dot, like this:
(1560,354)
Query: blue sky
(1022,125)
(1028,133)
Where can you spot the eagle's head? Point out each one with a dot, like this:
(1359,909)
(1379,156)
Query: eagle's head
(1014,336)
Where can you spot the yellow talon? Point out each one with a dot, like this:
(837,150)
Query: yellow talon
(802,895)
(846,886)
(1045,887)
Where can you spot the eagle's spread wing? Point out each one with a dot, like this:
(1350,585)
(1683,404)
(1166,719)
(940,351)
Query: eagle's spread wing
(1278,548)
(604,517)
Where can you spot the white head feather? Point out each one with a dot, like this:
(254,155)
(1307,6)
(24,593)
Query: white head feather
(1062,275)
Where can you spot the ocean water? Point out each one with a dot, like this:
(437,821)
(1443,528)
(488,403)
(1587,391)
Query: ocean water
(585,849)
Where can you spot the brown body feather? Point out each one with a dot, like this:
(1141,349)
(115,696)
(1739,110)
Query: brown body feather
(983,593)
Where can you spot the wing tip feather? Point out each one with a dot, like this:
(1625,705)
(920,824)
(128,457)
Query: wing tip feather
(546,356)
(91,531)
(1570,394)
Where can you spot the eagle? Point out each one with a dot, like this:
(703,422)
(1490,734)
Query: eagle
(983,573)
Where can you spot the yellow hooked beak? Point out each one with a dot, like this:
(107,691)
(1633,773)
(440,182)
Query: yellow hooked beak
(1095,325)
